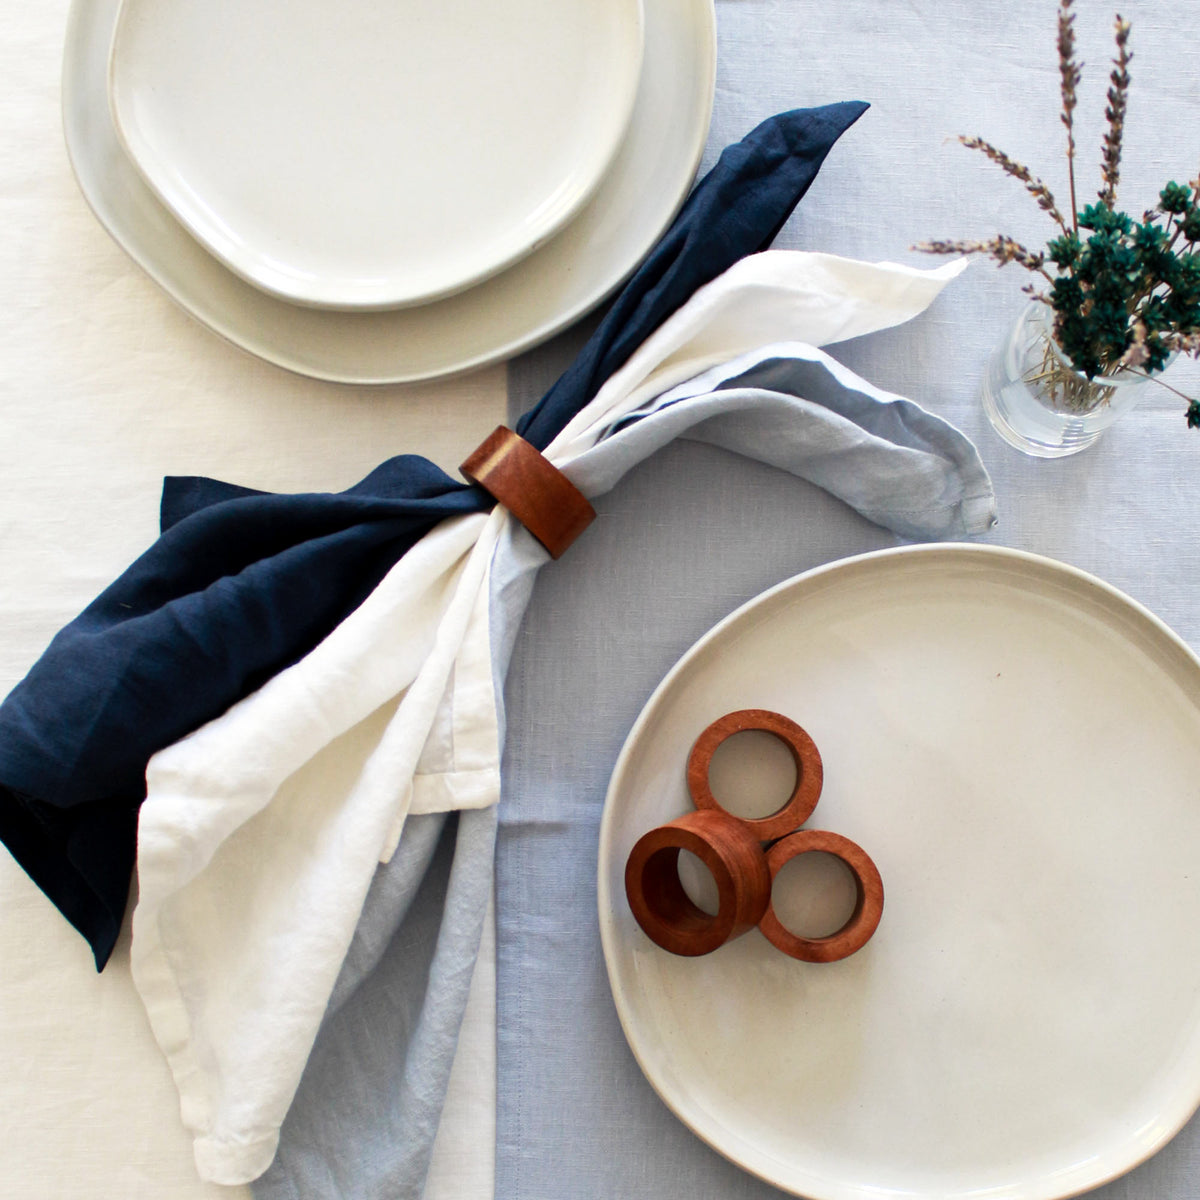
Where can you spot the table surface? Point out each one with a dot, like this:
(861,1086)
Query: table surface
(105,386)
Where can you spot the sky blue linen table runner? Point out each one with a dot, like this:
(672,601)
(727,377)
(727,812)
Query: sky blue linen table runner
(576,1118)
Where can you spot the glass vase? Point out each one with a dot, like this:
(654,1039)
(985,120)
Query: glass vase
(1039,403)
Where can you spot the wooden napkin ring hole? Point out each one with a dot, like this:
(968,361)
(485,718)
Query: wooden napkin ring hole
(868,907)
(666,913)
(536,492)
(810,774)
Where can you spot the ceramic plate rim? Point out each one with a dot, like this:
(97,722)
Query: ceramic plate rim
(340,292)
(1029,563)
(235,311)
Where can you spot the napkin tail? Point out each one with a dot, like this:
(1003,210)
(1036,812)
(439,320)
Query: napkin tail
(736,209)
(805,144)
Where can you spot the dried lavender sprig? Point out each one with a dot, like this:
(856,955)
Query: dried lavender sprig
(1002,249)
(1118,95)
(1138,352)
(1185,343)
(1070,72)
(1035,187)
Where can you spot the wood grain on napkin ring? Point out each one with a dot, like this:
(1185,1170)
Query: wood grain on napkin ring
(535,491)
(868,905)
(664,910)
(810,774)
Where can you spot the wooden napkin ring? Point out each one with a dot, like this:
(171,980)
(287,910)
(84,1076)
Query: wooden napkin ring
(535,491)
(810,773)
(868,907)
(664,910)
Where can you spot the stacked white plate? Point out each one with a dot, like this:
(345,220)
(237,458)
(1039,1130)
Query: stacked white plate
(387,193)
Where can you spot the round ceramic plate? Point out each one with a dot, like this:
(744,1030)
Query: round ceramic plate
(512,311)
(370,155)
(1017,746)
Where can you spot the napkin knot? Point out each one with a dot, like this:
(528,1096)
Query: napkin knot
(531,487)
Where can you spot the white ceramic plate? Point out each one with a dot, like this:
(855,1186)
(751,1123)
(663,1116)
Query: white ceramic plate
(510,312)
(367,155)
(1017,745)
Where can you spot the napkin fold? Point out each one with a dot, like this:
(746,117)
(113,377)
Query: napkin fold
(243,583)
(262,831)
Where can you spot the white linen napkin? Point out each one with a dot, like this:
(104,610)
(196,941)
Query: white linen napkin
(261,831)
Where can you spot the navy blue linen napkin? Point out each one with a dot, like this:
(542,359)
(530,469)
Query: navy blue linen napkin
(242,583)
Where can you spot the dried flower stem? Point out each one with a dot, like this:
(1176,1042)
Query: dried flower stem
(1071,72)
(1156,379)
(1065,389)
(1002,249)
(1118,95)
(1035,187)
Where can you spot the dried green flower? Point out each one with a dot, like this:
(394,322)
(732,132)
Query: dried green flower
(1174,198)
(1105,220)
(1065,250)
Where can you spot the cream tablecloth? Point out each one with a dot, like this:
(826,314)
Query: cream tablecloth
(105,386)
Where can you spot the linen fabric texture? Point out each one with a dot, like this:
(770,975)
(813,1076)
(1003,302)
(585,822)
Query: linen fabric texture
(241,583)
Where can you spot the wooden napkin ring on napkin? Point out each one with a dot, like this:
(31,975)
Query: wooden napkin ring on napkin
(868,907)
(535,491)
(810,774)
(664,910)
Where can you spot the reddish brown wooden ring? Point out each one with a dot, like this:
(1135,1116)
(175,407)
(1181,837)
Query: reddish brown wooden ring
(810,774)
(868,907)
(531,487)
(663,909)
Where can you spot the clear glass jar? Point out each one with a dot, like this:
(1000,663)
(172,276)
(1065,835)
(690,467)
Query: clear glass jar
(1039,403)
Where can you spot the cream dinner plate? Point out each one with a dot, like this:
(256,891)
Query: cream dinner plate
(1017,746)
(518,308)
(367,155)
